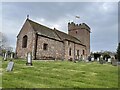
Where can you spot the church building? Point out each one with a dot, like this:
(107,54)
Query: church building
(45,43)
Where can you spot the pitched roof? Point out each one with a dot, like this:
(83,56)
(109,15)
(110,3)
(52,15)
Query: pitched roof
(52,33)
(65,36)
(43,30)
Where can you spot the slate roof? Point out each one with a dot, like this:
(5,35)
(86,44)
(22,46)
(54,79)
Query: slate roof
(43,30)
(52,33)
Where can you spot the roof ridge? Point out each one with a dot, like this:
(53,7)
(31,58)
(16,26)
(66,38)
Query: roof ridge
(39,24)
(56,33)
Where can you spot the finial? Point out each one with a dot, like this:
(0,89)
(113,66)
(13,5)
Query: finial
(27,16)
(54,28)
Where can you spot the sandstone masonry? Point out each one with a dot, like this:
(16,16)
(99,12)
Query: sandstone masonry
(46,43)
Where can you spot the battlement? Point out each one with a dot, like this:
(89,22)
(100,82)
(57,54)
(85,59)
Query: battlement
(72,26)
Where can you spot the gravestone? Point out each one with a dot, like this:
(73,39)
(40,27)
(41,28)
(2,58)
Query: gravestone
(109,60)
(98,59)
(29,59)
(92,59)
(11,55)
(5,56)
(113,61)
(89,58)
(10,66)
(101,59)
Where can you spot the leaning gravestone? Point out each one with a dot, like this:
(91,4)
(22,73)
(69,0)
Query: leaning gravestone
(10,66)
(29,59)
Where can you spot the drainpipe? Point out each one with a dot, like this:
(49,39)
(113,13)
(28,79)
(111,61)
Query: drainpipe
(74,52)
(35,45)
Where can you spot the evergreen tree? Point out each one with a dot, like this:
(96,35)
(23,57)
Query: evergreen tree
(118,52)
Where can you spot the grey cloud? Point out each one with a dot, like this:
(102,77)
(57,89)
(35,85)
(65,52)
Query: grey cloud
(101,17)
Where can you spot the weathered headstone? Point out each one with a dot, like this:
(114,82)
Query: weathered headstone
(98,59)
(29,59)
(101,59)
(113,61)
(11,55)
(109,60)
(10,66)
(89,58)
(5,56)
(92,59)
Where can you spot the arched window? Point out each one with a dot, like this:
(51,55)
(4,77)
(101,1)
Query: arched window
(24,41)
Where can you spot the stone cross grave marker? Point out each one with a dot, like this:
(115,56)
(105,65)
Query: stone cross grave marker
(29,59)
(10,66)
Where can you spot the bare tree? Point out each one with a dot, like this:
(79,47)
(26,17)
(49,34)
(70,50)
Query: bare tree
(3,41)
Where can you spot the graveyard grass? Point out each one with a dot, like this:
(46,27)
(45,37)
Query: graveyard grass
(59,74)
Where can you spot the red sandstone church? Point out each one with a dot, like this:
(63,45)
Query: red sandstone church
(46,43)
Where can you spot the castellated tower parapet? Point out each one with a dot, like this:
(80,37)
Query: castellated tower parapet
(82,32)
(73,26)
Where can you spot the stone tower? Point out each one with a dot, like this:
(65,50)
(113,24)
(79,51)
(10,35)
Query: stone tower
(81,32)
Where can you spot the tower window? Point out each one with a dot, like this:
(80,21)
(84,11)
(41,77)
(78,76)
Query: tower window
(45,46)
(24,41)
(70,52)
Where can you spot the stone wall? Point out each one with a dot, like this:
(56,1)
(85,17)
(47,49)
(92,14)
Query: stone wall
(54,49)
(26,30)
(80,48)
(74,47)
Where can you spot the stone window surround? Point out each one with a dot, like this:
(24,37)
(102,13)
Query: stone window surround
(24,41)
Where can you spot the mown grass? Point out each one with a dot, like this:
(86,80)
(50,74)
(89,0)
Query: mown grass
(59,74)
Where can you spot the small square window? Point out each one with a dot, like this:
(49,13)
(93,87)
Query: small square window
(76,32)
(45,46)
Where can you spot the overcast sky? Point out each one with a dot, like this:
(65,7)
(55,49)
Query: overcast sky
(102,17)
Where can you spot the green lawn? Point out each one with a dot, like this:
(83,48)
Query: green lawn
(59,74)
